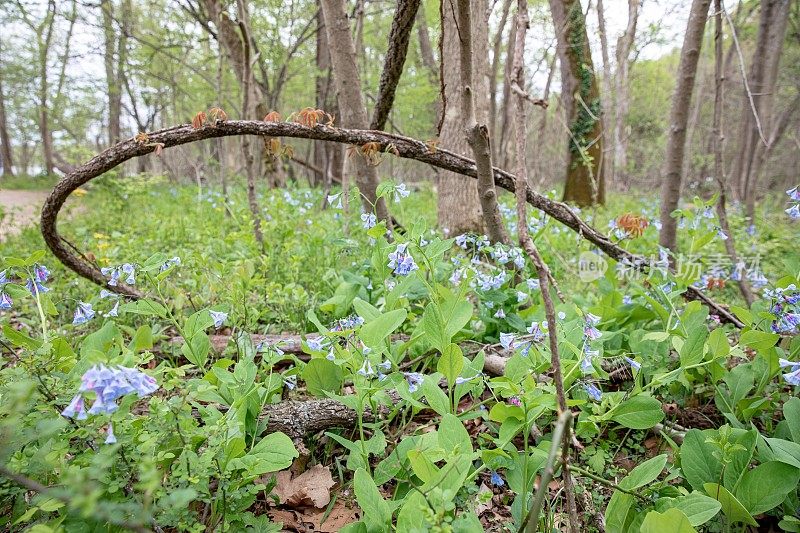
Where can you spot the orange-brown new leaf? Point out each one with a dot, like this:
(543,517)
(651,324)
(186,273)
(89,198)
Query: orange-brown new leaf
(272,116)
(199,120)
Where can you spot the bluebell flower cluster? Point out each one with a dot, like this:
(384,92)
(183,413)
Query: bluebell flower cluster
(83,313)
(5,299)
(785,305)
(414,380)
(40,276)
(169,263)
(115,273)
(401,261)
(793,376)
(108,385)
(369,220)
(218,317)
(400,191)
(794,196)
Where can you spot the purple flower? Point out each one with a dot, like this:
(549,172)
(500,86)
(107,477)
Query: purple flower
(175,261)
(496,480)
(3,277)
(40,273)
(794,193)
(591,320)
(591,332)
(129,269)
(593,392)
(536,331)
(500,313)
(794,212)
(315,344)
(369,220)
(5,301)
(627,300)
(533,284)
(113,273)
(514,400)
(793,378)
(414,380)
(401,261)
(218,317)
(75,409)
(36,287)
(83,314)
(586,365)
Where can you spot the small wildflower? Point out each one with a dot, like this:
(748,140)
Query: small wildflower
(36,287)
(500,313)
(114,310)
(586,366)
(460,380)
(385,365)
(506,339)
(562,315)
(514,400)
(169,263)
(794,193)
(111,438)
(75,409)
(496,480)
(41,273)
(400,191)
(315,344)
(521,297)
(533,284)
(366,369)
(331,356)
(627,300)
(793,378)
(335,200)
(593,392)
(401,261)
(794,212)
(290,382)
(5,301)
(369,220)
(536,331)
(129,269)
(634,365)
(721,234)
(218,317)
(83,313)
(414,380)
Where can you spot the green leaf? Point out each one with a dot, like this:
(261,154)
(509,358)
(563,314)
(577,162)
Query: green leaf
(640,412)
(453,436)
(766,486)
(731,507)
(698,507)
(759,340)
(322,376)
(18,338)
(718,343)
(692,351)
(618,512)
(16,291)
(145,307)
(645,473)
(784,451)
(437,399)
(697,459)
(375,331)
(791,413)
(142,339)
(365,310)
(671,521)
(451,363)
(377,514)
(422,466)
(272,453)
(97,345)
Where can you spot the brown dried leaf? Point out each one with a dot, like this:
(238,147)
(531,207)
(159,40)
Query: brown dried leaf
(272,116)
(199,119)
(159,148)
(312,487)
(340,516)
(141,137)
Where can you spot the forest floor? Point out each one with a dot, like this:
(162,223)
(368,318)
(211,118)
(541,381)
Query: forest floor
(20,209)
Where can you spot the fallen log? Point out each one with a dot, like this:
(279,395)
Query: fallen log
(398,145)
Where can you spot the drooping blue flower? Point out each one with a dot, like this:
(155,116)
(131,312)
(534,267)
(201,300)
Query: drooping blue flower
(366,369)
(401,261)
(536,331)
(83,313)
(460,380)
(500,313)
(41,273)
(290,382)
(3,278)
(506,339)
(793,378)
(414,380)
(496,480)
(75,409)
(593,392)
(130,270)
(533,284)
(751,230)
(586,366)
(5,301)
(521,297)
(400,191)
(315,344)
(169,263)
(110,437)
(369,220)
(335,200)
(627,300)
(794,193)
(113,274)
(634,364)
(721,234)
(36,287)
(114,310)
(794,212)
(218,317)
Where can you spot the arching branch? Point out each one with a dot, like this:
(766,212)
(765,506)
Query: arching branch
(404,147)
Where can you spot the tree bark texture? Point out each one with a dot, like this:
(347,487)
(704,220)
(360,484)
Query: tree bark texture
(6,153)
(679,115)
(584,183)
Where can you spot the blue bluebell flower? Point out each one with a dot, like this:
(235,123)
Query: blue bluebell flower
(460,380)
(110,437)
(40,273)
(83,313)
(751,230)
(169,263)
(401,261)
(794,212)
(794,194)
(385,365)
(76,408)
(315,344)
(400,191)
(634,364)
(290,382)
(218,317)
(506,339)
(627,300)
(457,276)
(521,297)
(5,301)
(366,369)
(586,365)
(114,310)
(500,313)
(536,331)
(130,270)
(533,284)
(562,315)
(36,287)
(335,200)
(721,234)
(414,380)
(593,392)
(496,480)
(369,220)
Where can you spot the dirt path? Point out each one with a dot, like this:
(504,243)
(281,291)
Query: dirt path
(20,209)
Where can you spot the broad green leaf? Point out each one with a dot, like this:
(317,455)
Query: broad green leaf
(692,351)
(422,466)
(437,399)
(321,376)
(698,507)
(272,453)
(671,521)
(375,331)
(731,507)
(758,340)
(784,451)
(365,310)
(698,463)
(376,511)
(453,436)
(645,473)
(639,412)
(718,343)
(618,512)
(144,307)
(766,486)
(451,363)
(791,413)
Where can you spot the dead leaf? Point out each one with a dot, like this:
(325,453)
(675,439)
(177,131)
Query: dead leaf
(483,507)
(286,517)
(340,516)
(312,487)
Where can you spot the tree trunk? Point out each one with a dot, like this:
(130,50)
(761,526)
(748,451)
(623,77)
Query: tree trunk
(679,116)
(622,89)
(45,38)
(495,69)
(114,61)
(6,155)
(351,102)
(766,58)
(584,183)
(426,51)
(504,139)
(608,165)
(322,85)
(459,208)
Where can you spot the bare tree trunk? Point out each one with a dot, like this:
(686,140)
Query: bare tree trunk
(399,36)
(679,115)
(45,38)
(351,102)
(6,155)
(622,89)
(459,208)
(584,182)
(426,51)
(322,83)
(477,133)
(719,139)
(766,58)
(495,68)
(608,166)
(504,139)
(114,61)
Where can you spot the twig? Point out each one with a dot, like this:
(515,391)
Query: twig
(607,483)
